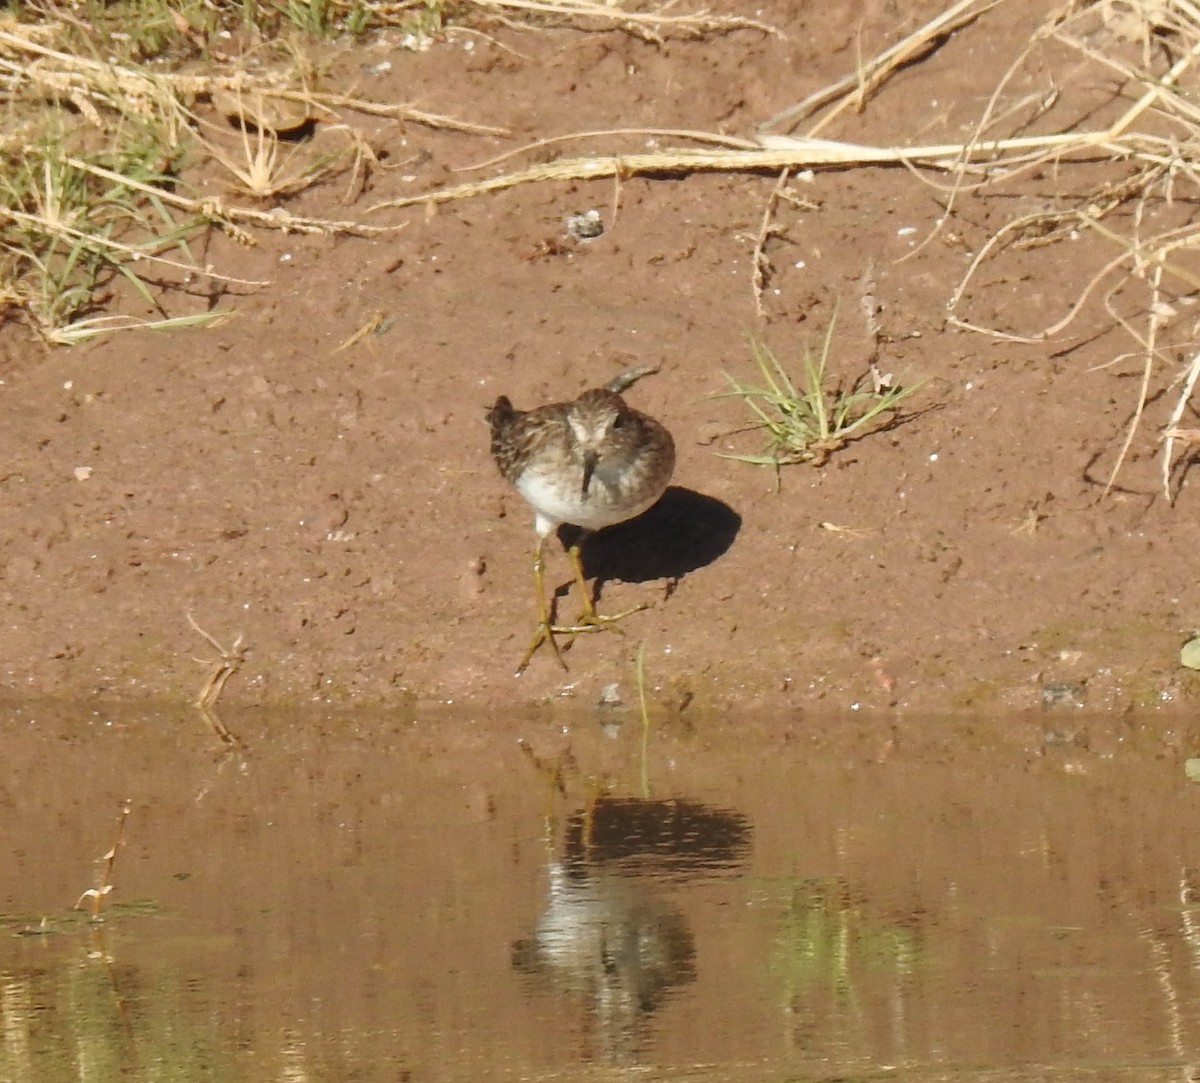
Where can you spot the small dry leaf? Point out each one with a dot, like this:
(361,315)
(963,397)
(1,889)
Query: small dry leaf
(279,116)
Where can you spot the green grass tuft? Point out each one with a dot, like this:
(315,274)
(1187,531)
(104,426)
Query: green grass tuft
(810,422)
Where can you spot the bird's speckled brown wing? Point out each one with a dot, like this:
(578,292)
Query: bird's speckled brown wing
(518,434)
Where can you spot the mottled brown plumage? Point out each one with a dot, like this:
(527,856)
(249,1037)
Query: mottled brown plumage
(593,462)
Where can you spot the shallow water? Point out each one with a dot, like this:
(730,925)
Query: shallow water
(453,897)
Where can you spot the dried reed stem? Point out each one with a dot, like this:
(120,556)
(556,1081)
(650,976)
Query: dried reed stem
(104,884)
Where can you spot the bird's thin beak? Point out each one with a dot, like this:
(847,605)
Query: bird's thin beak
(590,459)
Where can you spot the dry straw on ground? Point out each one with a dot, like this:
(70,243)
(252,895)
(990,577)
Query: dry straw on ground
(1130,62)
(109,130)
(1117,114)
(90,190)
(652,24)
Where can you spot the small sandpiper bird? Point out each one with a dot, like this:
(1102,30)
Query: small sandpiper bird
(593,462)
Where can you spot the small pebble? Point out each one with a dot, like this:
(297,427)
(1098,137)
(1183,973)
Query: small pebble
(584,227)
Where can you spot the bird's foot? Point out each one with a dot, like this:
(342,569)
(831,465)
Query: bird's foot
(588,617)
(596,622)
(547,632)
(588,621)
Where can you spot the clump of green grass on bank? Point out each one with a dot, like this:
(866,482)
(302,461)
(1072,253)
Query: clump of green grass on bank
(69,231)
(132,31)
(808,423)
(89,180)
(101,123)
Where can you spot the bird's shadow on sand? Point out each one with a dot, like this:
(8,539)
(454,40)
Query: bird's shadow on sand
(684,531)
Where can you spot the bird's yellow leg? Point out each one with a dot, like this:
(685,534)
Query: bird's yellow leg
(589,618)
(547,629)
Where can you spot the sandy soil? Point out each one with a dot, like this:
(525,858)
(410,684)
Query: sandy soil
(339,508)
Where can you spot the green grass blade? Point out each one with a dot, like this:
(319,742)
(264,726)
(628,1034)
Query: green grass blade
(809,424)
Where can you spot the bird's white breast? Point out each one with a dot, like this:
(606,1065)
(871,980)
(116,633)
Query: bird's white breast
(558,503)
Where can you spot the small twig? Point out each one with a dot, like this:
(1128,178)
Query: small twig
(870,307)
(222,668)
(710,138)
(1189,437)
(847,531)
(104,883)
(616,201)
(376,323)
(1027,525)
(1147,369)
(760,265)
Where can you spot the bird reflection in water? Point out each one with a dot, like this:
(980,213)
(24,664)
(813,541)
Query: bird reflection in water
(608,936)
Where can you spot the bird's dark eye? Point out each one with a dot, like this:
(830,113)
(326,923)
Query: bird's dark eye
(618,421)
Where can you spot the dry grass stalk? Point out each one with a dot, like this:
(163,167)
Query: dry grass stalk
(230,660)
(88,84)
(1159,131)
(109,143)
(993,243)
(854,89)
(1144,387)
(1189,438)
(217,210)
(92,84)
(50,225)
(104,885)
(397,111)
(777,153)
(710,138)
(375,324)
(1118,143)
(760,265)
(647,24)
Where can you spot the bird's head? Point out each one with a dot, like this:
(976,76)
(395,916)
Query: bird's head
(596,419)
